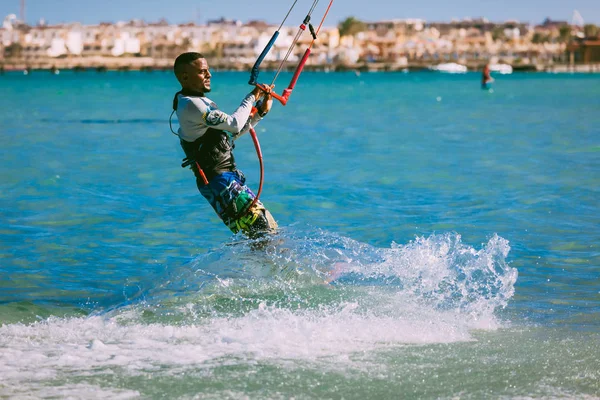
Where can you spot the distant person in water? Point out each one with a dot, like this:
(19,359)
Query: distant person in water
(486,77)
(207,137)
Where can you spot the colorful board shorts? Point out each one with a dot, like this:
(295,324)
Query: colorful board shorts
(230,198)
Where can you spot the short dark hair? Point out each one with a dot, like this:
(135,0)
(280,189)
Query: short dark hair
(185,59)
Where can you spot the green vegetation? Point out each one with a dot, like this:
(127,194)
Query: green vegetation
(591,31)
(564,34)
(351,26)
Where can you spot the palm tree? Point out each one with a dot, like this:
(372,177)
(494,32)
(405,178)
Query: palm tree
(564,34)
(591,30)
(498,34)
(351,26)
(539,38)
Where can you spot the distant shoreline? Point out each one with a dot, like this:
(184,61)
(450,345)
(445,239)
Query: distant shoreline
(103,64)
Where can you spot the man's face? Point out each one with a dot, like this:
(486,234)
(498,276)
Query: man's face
(197,76)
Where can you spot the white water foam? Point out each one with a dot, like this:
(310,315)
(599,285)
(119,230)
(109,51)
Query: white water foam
(445,273)
(416,312)
(66,391)
(55,348)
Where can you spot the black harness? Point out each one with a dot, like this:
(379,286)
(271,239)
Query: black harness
(209,155)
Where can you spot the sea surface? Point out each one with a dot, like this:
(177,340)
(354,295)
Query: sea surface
(437,241)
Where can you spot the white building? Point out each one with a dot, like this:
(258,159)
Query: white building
(200,37)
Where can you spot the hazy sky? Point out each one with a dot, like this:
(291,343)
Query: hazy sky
(177,11)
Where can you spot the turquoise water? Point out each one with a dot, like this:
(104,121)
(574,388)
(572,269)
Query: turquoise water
(458,228)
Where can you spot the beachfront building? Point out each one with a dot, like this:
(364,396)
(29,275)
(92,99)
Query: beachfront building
(53,41)
(232,44)
(282,45)
(198,38)
(376,43)
(92,41)
(241,43)
(425,47)
(321,50)
(162,40)
(379,40)
(33,43)
(324,49)
(548,40)
(475,41)
(12,37)
(5,39)
(9,32)
(584,51)
(383,40)
(128,38)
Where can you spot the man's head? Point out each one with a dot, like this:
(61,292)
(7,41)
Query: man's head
(191,70)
